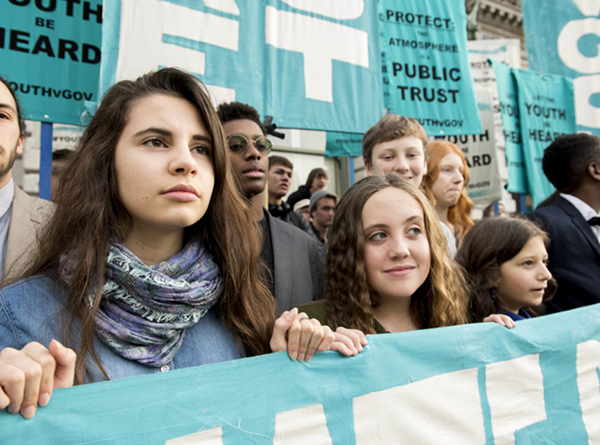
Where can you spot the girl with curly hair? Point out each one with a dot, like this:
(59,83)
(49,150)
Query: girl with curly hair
(388,268)
(505,260)
(445,185)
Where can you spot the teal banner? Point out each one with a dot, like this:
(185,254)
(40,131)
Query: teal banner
(50,54)
(567,43)
(546,110)
(310,65)
(480,383)
(343,145)
(427,66)
(511,128)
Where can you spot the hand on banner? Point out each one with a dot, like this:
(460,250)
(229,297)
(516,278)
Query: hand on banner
(28,376)
(501,319)
(350,341)
(302,337)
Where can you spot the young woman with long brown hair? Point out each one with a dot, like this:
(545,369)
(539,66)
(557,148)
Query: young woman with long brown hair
(387,267)
(151,260)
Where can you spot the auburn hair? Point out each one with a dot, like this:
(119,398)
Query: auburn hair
(459,215)
(90,214)
(349,300)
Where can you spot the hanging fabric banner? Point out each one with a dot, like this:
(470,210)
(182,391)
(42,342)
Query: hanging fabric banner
(427,65)
(566,43)
(343,145)
(50,56)
(509,113)
(480,152)
(507,51)
(546,110)
(310,65)
(477,383)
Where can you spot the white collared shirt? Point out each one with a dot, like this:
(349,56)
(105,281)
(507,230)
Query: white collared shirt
(586,211)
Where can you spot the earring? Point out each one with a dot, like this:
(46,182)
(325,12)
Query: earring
(493,292)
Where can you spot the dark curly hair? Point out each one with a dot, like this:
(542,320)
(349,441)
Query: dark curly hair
(349,300)
(489,244)
(566,159)
(234,111)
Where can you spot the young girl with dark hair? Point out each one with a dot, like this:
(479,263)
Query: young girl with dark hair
(151,261)
(505,260)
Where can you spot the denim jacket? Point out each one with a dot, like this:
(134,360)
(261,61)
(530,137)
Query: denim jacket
(33,310)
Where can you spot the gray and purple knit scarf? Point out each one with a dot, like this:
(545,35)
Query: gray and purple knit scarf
(145,310)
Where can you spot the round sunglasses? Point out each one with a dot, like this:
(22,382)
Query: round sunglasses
(238,143)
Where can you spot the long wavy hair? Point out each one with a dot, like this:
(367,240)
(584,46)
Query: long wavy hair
(489,244)
(90,213)
(459,215)
(440,301)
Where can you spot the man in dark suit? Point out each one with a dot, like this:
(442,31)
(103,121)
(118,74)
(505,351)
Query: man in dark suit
(572,164)
(294,258)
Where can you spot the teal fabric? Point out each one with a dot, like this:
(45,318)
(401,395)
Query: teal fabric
(509,113)
(343,145)
(426,57)
(547,110)
(342,54)
(51,56)
(246,397)
(575,29)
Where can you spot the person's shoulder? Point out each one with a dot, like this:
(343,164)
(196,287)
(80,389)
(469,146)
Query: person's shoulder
(37,288)
(551,214)
(30,311)
(290,230)
(33,204)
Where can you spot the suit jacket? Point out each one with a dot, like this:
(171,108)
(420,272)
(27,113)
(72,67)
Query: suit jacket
(574,255)
(28,215)
(298,265)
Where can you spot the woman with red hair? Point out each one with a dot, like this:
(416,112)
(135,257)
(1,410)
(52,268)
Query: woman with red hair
(445,185)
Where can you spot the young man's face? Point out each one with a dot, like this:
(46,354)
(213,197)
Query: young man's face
(280,179)
(324,212)
(250,166)
(405,156)
(11,140)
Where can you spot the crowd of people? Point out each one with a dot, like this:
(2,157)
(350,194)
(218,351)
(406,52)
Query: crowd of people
(159,253)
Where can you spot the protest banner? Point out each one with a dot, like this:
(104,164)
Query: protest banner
(507,51)
(478,383)
(50,54)
(425,45)
(480,153)
(511,128)
(343,144)
(546,110)
(310,65)
(567,44)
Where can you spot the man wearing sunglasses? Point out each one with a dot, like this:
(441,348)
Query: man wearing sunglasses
(294,259)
